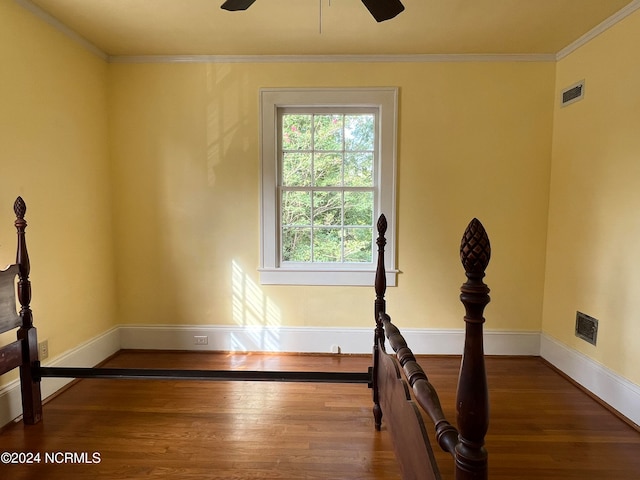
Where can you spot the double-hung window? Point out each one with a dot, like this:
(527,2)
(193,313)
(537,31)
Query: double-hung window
(328,172)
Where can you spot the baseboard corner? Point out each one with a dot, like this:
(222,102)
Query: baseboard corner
(614,390)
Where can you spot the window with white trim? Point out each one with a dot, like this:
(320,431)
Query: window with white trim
(328,171)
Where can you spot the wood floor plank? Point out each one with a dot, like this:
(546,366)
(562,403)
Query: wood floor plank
(541,426)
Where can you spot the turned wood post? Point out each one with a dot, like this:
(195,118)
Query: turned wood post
(29,384)
(379,310)
(381,276)
(472,404)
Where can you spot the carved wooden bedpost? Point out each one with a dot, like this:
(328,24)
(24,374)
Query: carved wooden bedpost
(381,277)
(30,386)
(379,309)
(472,403)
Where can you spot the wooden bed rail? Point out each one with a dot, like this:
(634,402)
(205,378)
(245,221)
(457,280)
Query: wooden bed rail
(472,402)
(424,392)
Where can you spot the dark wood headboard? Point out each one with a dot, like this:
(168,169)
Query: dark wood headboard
(9,318)
(22,353)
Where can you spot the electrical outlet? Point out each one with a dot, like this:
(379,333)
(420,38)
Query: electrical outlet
(200,340)
(43,349)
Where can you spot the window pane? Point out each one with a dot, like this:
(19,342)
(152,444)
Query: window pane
(296,208)
(327,208)
(296,244)
(358,169)
(296,132)
(359,132)
(358,208)
(296,169)
(327,169)
(358,245)
(327,245)
(328,132)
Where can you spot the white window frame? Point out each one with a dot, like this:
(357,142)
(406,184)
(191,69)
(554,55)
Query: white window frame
(385,99)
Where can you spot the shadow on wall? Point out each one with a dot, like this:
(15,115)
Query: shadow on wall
(226,118)
(258,316)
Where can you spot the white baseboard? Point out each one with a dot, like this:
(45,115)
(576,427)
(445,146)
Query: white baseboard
(316,339)
(87,354)
(249,339)
(611,388)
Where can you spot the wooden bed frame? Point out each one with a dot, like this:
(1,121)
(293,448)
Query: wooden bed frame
(392,397)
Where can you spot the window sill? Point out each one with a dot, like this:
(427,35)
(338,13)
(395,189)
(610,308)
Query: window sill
(363,278)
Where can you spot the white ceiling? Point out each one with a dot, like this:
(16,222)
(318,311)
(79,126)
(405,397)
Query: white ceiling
(330,27)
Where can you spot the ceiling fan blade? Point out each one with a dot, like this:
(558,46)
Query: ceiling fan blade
(383,9)
(234,5)
(380,9)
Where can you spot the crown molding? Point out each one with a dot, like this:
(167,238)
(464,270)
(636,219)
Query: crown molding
(417,58)
(598,29)
(62,28)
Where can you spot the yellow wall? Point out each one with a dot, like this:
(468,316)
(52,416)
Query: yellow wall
(474,140)
(594,215)
(53,152)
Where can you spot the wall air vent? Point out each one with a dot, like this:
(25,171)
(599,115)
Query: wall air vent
(586,328)
(573,93)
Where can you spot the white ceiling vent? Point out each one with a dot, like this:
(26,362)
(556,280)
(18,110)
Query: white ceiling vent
(572,94)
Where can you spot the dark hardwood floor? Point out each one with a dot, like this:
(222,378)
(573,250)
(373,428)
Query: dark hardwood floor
(541,426)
